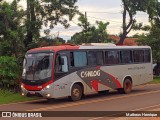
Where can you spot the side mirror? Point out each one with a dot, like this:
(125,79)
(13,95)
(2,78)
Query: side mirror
(61,62)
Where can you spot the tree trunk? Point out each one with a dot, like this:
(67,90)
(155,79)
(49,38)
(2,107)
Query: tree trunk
(124,34)
(31,19)
(122,38)
(126,27)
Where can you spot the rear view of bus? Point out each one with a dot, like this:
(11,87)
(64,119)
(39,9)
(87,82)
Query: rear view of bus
(73,71)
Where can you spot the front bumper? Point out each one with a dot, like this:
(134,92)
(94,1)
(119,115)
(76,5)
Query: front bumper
(41,93)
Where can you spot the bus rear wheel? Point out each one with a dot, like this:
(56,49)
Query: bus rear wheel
(127,87)
(76,93)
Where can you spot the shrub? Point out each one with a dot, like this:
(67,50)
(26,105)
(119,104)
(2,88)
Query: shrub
(9,72)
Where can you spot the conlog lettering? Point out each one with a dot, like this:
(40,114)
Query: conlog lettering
(90,73)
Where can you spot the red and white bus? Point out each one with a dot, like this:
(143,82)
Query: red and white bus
(73,71)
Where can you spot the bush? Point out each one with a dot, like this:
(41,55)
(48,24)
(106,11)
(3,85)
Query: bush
(9,73)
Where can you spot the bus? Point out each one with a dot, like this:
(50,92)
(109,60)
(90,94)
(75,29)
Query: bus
(73,71)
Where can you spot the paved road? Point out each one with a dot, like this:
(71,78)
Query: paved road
(142,98)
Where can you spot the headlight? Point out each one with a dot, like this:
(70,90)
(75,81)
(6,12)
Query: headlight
(22,87)
(48,95)
(46,88)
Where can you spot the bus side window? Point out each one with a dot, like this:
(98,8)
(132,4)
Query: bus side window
(112,57)
(99,56)
(61,64)
(71,59)
(65,65)
(147,56)
(92,59)
(138,55)
(79,59)
(126,56)
(58,67)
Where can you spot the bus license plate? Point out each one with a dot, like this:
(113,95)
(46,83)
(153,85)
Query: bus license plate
(32,93)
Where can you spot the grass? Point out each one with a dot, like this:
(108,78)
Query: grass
(10,97)
(155,80)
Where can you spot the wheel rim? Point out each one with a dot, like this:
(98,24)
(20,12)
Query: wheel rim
(76,93)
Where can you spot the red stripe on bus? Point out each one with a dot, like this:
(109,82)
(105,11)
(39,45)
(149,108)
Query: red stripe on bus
(37,88)
(95,85)
(115,80)
(98,67)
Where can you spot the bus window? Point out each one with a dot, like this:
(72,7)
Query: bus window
(59,67)
(95,58)
(147,56)
(80,59)
(65,65)
(99,56)
(112,57)
(92,60)
(126,56)
(71,59)
(138,55)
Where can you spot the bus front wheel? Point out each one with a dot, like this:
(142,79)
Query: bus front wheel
(127,87)
(76,93)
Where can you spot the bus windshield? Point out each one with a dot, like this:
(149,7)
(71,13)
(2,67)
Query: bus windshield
(37,66)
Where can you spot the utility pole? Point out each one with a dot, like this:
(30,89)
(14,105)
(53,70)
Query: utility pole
(58,36)
(86,26)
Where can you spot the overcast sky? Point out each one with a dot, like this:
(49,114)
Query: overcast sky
(101,10)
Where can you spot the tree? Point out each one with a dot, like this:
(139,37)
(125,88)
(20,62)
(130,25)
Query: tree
(46,41)
(92,35)
(89,33)
(11,43)
(132,7)
(84,24)
(9,72)
(12,29)
(47,12)
(153,38)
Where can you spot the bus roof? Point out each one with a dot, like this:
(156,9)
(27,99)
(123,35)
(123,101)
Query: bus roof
(112,47)
(76,47)
(55,48)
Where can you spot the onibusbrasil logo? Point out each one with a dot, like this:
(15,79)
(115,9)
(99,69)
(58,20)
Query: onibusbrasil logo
(21,114)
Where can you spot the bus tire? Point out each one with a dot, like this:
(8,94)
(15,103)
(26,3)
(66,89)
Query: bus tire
(76,92)
(127,87)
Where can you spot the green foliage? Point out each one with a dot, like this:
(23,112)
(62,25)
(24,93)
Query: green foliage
(90,34)
(140,26)
(84,22)
(9,71)
(20,31)
(12,29)
(152,39)
(48,13)
(132,7)
(46,41)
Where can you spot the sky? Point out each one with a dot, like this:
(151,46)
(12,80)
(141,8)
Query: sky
(97,10)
